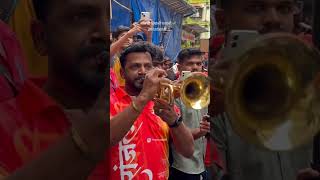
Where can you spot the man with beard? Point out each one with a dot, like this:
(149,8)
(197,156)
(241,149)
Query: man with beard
(191,168)
(143,152)
(57,129)
(123,38)
(244,161)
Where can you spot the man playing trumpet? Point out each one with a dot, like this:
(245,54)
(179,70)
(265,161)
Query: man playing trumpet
(143,127)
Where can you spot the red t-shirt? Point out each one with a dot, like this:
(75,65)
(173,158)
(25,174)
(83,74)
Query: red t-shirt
(30,124)
(143,153)
(12,63)
(30,121)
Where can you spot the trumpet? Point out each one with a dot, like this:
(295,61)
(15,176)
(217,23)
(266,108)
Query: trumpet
(270,93)
(194,91)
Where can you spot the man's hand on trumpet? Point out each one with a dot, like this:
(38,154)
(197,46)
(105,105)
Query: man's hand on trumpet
(151,83)
(165,111)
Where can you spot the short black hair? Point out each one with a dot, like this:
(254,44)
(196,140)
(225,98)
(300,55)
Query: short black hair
(158,54)
(136,48)
(41,8)
(188,53)
(119,31)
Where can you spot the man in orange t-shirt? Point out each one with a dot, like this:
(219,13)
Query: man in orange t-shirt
(143,152)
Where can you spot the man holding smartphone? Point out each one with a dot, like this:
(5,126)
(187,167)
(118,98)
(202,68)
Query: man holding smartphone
(124,37)
(193,168)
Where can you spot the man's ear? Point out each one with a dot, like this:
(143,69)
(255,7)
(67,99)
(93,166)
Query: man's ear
(39,37)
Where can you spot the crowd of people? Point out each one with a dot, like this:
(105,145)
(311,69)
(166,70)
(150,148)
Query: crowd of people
(58,127)
(136,67)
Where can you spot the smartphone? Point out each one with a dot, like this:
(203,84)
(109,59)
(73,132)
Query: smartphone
(145,16)
(236,41)
(185,74)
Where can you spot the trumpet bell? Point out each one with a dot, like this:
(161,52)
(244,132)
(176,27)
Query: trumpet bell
(271,98)
(195,91)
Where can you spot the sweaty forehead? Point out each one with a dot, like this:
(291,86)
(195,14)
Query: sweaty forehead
(139,57)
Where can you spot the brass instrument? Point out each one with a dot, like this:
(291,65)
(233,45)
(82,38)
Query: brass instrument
(194,91)
(270,92)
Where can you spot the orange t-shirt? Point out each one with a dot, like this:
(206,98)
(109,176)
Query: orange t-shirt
(29,125)
(30,121)
(143,153)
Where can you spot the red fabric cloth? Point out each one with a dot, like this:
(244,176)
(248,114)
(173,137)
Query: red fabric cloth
(29,124)
(216,44)
(207,157)
(178,75)
(113,81)
(143,153)
(30,121)
(212,154)
(12,59)
(306,38)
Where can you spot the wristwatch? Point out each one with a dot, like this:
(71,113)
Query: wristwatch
(176,123)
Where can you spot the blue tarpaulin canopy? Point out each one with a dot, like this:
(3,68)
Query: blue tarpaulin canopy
(121,13)
(166,15)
